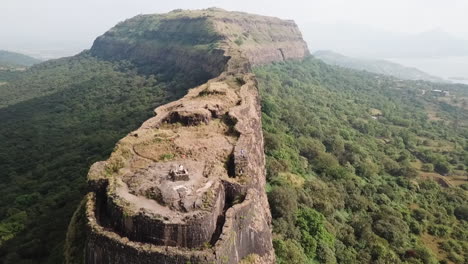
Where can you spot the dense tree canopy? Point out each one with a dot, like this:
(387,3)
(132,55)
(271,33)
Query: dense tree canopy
(57,118)
(351,157)
(348,157)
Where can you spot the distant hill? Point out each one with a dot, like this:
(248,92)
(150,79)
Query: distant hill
(13,59)
(375,66)
(367,41)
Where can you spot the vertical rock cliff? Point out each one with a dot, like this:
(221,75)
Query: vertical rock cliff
(188,186)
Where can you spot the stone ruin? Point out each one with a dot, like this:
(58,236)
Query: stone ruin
(179,174)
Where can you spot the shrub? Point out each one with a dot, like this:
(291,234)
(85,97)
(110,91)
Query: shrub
(419,214)
(415,228)
(442,167)
(439,230)
(315,238)
(408,172)
(461,213)
(166,156)
(239,41)
(427,167)
(283,202)
(391,228)
(289,252)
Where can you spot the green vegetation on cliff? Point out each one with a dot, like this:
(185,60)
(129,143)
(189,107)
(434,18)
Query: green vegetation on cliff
(346,158)
(166,44)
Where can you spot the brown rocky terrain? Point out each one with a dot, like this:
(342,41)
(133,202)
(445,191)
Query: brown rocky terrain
(188,185)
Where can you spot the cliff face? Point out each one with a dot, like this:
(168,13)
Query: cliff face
(188,185)
(196,41)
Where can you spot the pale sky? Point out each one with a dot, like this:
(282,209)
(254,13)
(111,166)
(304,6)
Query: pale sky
(36,26)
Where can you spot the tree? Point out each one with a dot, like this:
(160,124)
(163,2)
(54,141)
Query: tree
(289,252)
(283,202)
(442,167)
(427,167)
(314,235)
(461,212)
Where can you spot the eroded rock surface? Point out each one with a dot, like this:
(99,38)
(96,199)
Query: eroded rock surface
(188,185)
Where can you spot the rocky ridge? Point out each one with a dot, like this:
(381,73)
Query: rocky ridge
(188,186)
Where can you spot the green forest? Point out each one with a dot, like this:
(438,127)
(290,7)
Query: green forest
(363,168)
(57,118)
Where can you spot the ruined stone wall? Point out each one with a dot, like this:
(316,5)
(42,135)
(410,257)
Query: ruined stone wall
(246,229)
(142,228)
(105,246)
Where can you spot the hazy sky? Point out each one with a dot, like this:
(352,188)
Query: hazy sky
(35,26)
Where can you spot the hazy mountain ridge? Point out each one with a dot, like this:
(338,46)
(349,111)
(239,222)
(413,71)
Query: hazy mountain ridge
(367,41)
(375,66)
(13,59)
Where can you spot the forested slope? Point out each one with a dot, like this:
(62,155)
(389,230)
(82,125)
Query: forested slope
(353,161)
(361,167)
(57,118)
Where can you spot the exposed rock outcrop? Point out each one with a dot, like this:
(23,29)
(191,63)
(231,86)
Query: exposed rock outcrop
(188,186)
